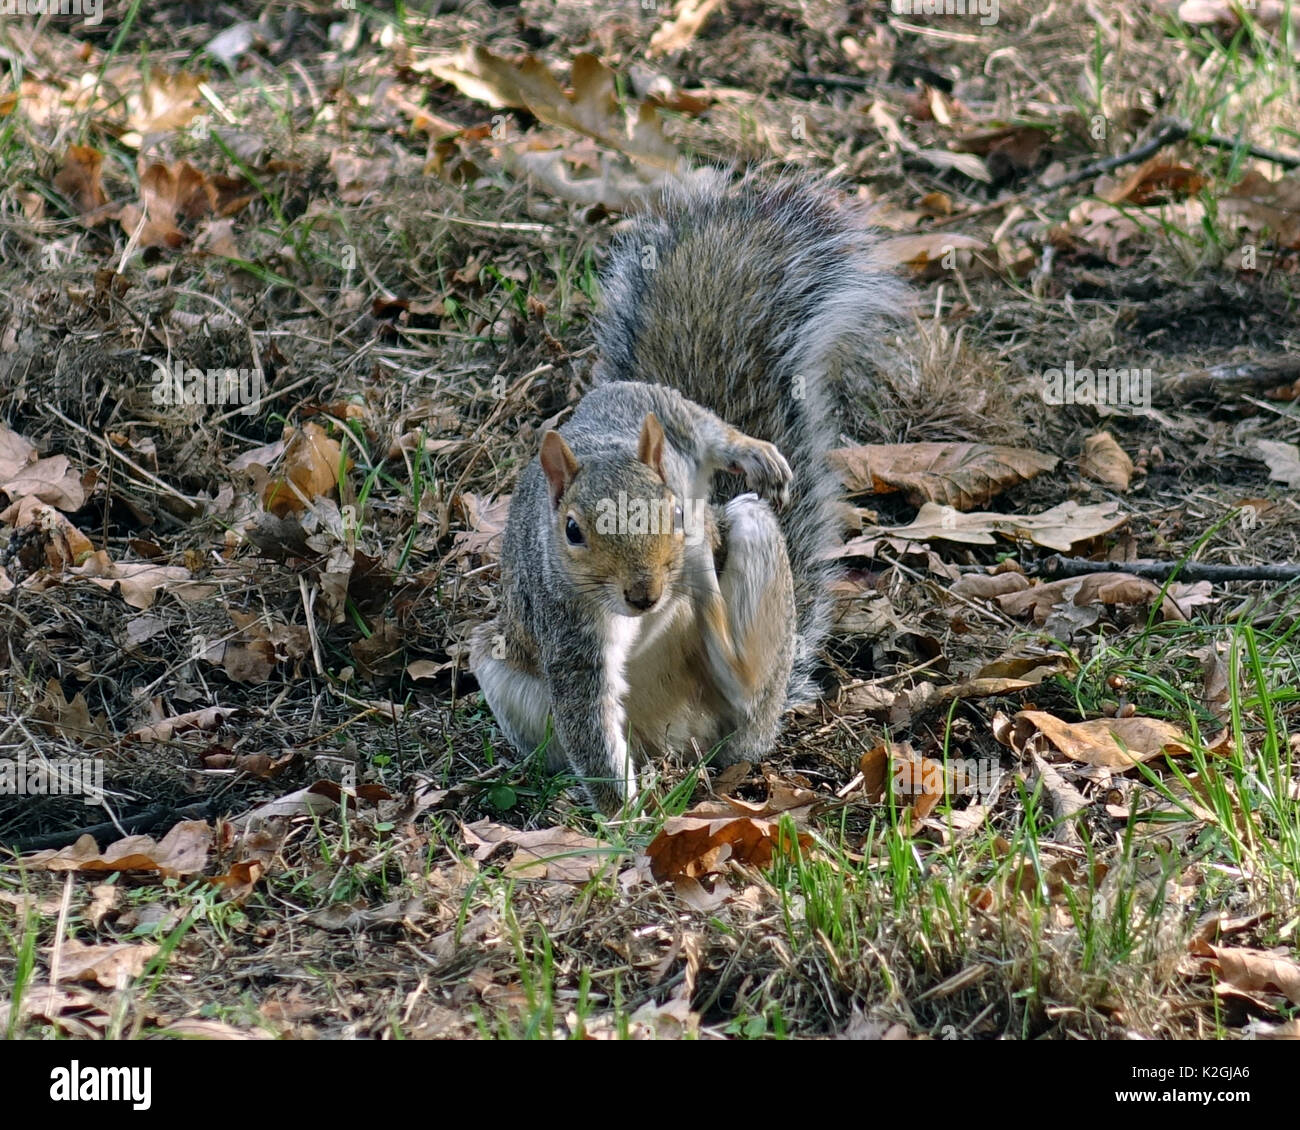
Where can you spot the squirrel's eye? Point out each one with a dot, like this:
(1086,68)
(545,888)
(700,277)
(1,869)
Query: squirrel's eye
(572,532)
(678,521)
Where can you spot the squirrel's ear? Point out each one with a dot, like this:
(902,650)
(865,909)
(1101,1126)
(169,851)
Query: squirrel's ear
(559,463)
(651,448)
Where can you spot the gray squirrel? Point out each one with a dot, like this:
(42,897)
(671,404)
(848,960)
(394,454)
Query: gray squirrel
(643,611)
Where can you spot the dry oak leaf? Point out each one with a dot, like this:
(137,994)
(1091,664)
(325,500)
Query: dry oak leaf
(693,846)
(1060,528)
(16,452)
(166,102)
(559,854)
(487,521)
(169,195)
(111,965)
(592,108)
(138,581)
(1251,972)
(183,851)
(1155,181)
(1114,743)
(1283,460)
(963,475)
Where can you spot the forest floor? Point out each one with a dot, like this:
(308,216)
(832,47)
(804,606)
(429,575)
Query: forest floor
(1024,807)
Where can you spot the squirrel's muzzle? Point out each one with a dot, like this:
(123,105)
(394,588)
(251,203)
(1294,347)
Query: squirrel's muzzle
(644,594)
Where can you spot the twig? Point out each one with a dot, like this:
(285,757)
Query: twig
(1057,566)
(115,454)
(1224,380)
(142,821)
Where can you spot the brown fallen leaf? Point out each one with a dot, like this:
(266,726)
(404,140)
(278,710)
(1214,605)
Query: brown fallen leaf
(81,179)
(1155,181)
(1115,743)
(486,518)
(183,851)
(1060,528)
(592,108)
(313,463)
(962,475)
(112,965)
(209,718)
(1042,599)
(558,854)
(1104,460)
(1264,206)
(1254,973)
(51,480)
(694,846)
(166,102)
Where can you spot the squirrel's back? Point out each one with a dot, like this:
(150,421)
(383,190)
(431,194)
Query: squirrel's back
(746,298)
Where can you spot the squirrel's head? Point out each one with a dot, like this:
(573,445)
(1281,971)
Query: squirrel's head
(618,527)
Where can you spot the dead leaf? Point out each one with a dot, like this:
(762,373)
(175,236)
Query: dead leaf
(1253,973)
(209,718)
(1115,743)
(558,854)
(313,463)
(50,480)
(487,522)
(697,845)
(112,965)
(1155,181)
(1060,528)
(183,851)
(963,475)
(1104,460)
(81,178)
(1283,460)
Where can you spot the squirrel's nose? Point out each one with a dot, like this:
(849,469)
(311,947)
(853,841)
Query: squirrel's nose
(641,595)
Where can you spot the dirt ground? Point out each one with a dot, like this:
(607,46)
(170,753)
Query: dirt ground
(390,226)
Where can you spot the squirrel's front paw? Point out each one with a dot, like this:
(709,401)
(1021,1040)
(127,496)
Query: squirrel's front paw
(764,467)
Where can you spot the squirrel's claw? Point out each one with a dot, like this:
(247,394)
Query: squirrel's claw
(765,469)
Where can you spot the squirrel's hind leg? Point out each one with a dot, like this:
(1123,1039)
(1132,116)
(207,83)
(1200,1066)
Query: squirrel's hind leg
(747,619)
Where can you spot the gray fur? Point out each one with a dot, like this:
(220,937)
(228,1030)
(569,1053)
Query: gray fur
(741,293)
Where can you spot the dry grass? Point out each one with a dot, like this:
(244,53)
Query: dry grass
(375,920)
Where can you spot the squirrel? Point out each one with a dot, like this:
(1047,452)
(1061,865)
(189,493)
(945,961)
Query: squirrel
(647,608)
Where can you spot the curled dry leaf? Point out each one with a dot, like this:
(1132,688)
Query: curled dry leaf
(183,851)
(1104,460)
(918,780)
(699,842)
(81,179)
(962,475)
(51,480)
(1060,528)
(209,718)
(1254,973)
(312,465)
(1043,599)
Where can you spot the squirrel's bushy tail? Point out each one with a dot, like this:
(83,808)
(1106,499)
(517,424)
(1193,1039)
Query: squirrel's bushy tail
(749,298)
